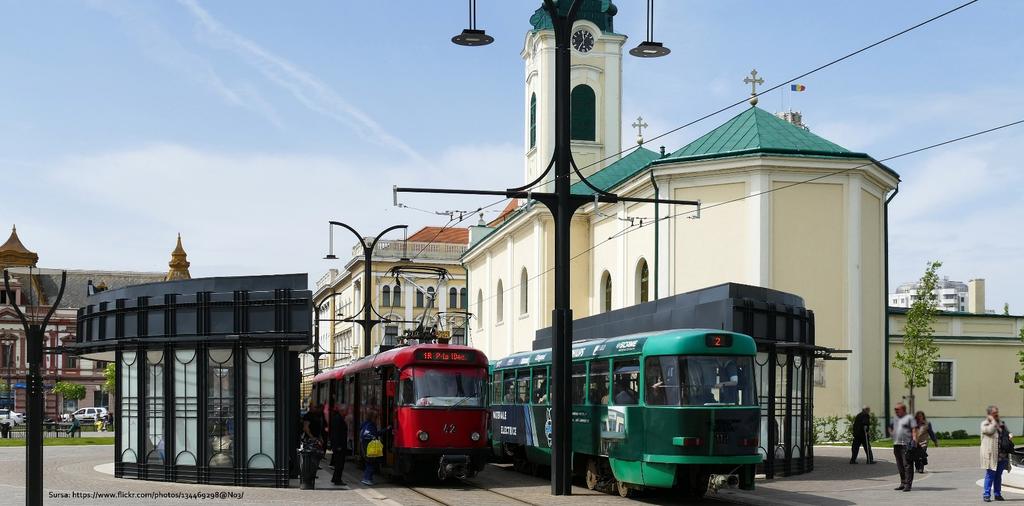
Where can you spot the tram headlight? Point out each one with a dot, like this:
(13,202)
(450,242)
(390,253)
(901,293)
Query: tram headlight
(475,436)
(423,436)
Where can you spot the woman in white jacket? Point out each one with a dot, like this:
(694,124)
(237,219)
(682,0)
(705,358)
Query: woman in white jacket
(994,459)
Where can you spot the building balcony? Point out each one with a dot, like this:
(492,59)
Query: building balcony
(397,250)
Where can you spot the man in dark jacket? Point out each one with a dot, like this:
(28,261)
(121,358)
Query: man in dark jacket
(861,435)
(339,444)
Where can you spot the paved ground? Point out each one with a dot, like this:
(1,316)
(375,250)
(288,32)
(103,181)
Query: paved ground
(952,479)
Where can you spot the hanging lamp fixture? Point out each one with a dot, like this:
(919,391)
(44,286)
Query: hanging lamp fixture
(648,48)
(471,36)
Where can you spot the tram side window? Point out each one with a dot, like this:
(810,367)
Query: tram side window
(523,386)
(540,385)
(598,382)
(627,381)
(662,379)
(496,388)
(406,395)
(579,382)
(509,387)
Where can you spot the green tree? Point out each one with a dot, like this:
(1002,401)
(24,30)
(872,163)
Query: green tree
(110,378)
(917,359)
(69,390)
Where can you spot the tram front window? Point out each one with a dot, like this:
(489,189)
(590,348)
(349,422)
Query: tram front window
(700,381)
(444,387)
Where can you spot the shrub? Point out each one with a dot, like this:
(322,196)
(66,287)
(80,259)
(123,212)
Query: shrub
(826,429)
(943,435)
(959,434)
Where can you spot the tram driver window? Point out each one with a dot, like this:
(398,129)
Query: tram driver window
(406,397)
(599,382)
(662,380)
(626,382)
(540,385)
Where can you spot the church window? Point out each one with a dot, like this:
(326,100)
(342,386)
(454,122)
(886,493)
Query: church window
(606,292)
(396,298)
(480,305)
(524,293)
(533,120)
(582,113)
(499,310)
(385,299)
(419,298)
(453,297)
(642,282)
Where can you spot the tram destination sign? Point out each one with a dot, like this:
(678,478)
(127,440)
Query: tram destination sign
(446,356)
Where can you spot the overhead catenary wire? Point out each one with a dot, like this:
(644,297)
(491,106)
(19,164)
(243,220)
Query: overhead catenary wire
(771,190)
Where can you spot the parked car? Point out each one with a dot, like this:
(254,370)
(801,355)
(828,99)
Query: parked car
(11,417)
(89,415)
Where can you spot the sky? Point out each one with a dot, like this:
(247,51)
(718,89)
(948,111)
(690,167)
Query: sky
(247,125)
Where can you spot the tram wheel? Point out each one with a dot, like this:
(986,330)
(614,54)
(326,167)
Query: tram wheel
(593,474)
(624,489)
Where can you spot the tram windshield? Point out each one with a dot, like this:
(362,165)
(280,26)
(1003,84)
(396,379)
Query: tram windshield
(695,380)
(442,387)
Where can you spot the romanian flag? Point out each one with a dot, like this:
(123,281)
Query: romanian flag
(797,87)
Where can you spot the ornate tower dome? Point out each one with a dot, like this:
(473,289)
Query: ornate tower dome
(15,254)
(178,264)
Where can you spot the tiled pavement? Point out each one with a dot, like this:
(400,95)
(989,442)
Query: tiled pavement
(951,479)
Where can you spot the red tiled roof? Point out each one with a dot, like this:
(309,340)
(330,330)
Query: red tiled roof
(452,235)
(512,206)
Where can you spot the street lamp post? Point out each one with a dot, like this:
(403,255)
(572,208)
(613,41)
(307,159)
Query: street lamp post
(34,335)
(366,321)
(563,204)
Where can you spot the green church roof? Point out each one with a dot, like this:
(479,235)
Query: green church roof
(619,171)
(758,131)
(599,12)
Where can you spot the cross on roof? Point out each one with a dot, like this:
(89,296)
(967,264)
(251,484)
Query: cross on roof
(639,125)
(753,81)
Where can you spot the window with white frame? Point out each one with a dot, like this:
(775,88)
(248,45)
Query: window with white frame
(943,377)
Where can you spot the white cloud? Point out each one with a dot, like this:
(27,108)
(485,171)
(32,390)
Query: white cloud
(311,92)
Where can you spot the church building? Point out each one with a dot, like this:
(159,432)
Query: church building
(781,208)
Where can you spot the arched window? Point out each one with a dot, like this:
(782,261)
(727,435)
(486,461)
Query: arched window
(480,305)
(385,296)
(533,120)
(464,299)
(642,282)
(453,297)
(499,306)
(419,298)
(582,113)
(430,296)
(524,292)
(606,292)
(396,295)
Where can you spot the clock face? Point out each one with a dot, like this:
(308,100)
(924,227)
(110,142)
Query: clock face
(583,41)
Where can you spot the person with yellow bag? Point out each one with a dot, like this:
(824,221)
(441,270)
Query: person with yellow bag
(373,449)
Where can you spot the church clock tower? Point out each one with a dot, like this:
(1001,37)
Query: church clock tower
(596,83)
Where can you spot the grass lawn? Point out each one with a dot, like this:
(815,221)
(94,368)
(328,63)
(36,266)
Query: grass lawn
(61,441)
(887,443)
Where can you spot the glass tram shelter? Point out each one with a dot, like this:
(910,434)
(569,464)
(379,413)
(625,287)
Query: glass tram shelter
(783,370)
(207,375)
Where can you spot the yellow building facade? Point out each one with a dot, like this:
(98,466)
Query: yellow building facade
(976,366)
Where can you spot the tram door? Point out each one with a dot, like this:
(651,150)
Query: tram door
(389,384)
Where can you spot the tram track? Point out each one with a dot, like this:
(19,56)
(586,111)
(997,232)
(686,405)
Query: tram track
(434,494)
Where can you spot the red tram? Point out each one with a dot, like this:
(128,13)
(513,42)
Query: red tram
(432,396)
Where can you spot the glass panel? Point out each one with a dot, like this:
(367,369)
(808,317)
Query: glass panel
(259,408)
(155,407)
(540,385)
(579,382)
(627,382)
(129,423)
(186,407)
(598,382)
(447,387)
(523,386)
(509,387)
(220,425)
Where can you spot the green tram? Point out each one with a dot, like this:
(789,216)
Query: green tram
(671,409)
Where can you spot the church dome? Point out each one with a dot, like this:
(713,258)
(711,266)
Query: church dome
(599,12)
(14,254)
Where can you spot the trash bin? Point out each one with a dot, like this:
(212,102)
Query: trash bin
(5,430)
(309,463)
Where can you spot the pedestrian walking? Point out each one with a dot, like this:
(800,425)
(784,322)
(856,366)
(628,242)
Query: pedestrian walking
(924,435)
(339,443)
(903,431)
(372,449)
(862,435)
(996,445)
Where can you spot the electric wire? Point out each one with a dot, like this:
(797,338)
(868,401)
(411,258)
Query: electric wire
(718,204)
